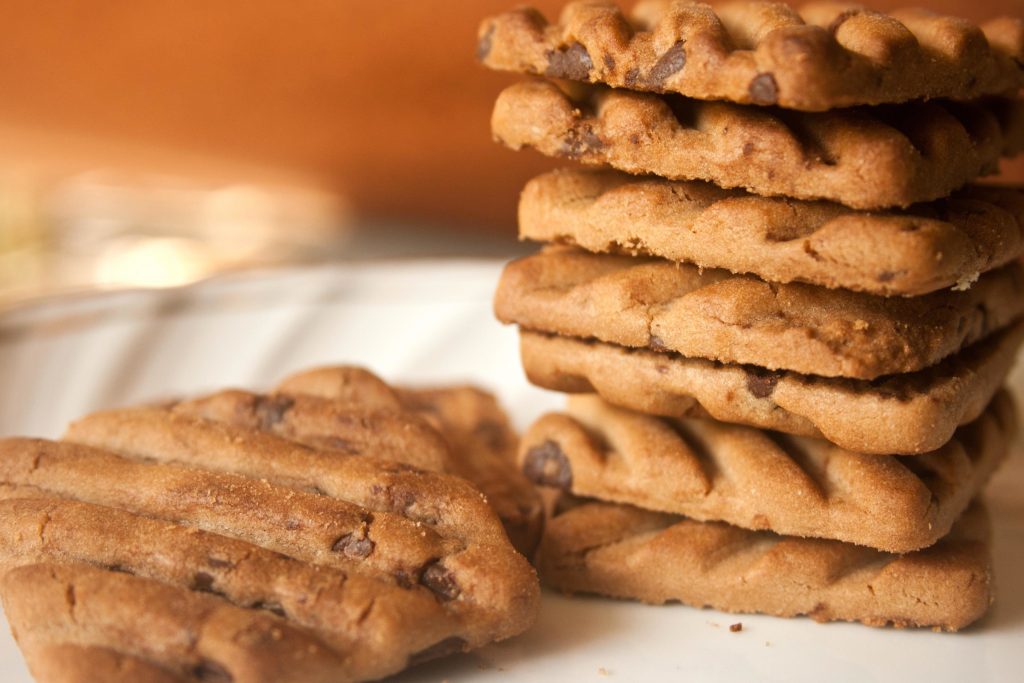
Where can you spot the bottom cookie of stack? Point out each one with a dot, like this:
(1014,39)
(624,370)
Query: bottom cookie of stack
(626,552)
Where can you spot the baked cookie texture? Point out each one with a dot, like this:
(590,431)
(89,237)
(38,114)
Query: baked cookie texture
(712,314)
(795,486)
(347,409)
(902,414)
(625,552)
(928,247)
(823,56)
(867,158)
(481,440)
(181,547)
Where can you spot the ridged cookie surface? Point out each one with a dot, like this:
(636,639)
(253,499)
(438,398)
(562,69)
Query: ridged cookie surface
(906,414)
(479,435)
(794,486)
(713,314)
(870,158)
(626,552)
(351,411)
(928,247)
(209,549)
(824,56)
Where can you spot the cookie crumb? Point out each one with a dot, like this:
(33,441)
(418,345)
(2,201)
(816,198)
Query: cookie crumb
(603,671)
(767,643)
(737,627)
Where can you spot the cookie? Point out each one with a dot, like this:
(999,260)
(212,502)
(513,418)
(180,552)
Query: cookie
(66,663)
(903,414)
(189,634)
(712,314)
(380,563)
(864,158)
(476,429)
(350,429)
(625,552)
(825,56)
(795,486)
(928,247)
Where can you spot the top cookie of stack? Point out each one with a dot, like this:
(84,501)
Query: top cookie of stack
(677,58)
(802,252)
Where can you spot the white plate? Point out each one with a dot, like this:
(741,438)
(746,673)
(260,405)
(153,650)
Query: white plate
(431,322)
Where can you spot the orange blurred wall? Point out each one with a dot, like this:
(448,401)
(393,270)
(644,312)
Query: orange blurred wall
(383,102)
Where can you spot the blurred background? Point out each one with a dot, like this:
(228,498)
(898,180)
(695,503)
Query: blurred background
(152,143)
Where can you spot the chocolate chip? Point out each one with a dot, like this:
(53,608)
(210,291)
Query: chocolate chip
(336,443)
(762,385)
(763,89)
(274,607)
(580,141)
(271,409)
(609,62)
(219,563)
(736,628)
(353,546)
(442,648)
(885,276)
(403,579)
(572,62)
(400,499)
(631,77)
(656,344)
(547,465)
(201,581)
(483,48)
(748,148)
(669,63)
(208,670)
(441,581)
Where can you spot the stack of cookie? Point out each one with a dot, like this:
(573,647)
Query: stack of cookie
(787,330)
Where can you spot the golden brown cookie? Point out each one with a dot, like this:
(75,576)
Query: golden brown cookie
(712,314)
(66,663)
(478,434)
(824,56)
(795,486)
(913,413)
(358,566)
(928,247)
(625,552)
(870,158)
(349,429)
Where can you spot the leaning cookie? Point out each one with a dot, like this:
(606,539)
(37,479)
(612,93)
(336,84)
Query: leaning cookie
(665,306)
(871,158)
(479,437)
(795,486)
(626,552)
(822,56)
(919,411)
(929,247)
(291,562)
